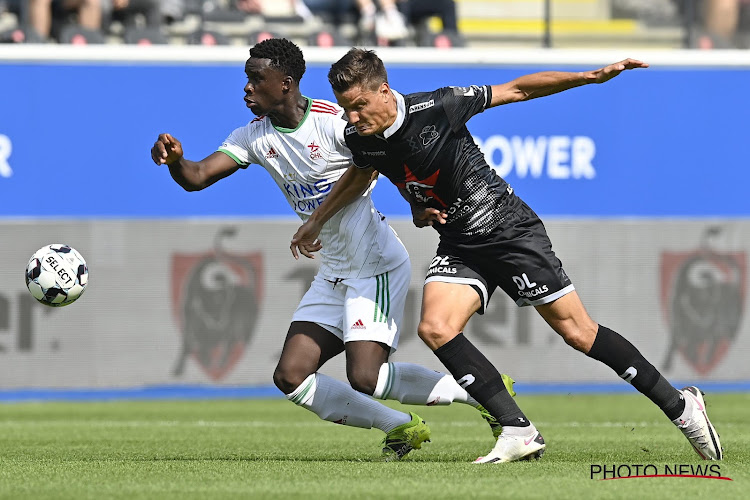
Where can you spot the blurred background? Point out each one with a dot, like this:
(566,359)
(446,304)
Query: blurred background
(703,24)
(641,183)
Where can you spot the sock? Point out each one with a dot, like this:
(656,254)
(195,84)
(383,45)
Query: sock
(615,351)
(686,412)
(474,372)
(337,402)
(416,385)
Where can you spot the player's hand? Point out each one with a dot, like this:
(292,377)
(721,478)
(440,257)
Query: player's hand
(608,72)
(305,240)
(166,149)
(426,216)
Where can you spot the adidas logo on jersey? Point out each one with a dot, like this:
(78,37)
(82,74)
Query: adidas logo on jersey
(358,325)
(272,153)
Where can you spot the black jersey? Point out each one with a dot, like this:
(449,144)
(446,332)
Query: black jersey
(432,155)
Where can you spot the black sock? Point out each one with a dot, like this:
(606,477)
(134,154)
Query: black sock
(474,372)
(615,351)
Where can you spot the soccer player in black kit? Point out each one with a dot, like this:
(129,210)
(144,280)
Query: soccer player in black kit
(488,238)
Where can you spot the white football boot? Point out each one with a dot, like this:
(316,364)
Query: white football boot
(515,443)
(696,427)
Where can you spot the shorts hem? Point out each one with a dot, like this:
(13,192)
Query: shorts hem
(364,338)
(547,298)
(463,281)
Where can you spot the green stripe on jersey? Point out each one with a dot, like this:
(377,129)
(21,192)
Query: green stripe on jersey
(232,156)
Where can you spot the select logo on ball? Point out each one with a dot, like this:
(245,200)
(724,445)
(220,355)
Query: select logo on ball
(56,275)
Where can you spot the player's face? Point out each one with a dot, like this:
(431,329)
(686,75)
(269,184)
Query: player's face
(265,86)
(370,111)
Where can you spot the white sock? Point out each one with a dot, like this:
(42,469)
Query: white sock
(512,430)
(686,412)
(417,385)
(337,402)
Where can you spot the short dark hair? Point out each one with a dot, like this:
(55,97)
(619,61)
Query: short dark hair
(284,55)
(358,68)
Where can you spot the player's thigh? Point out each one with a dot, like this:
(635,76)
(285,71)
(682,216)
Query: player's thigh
(364,359)
(446,308)
(374,306)
(453,291)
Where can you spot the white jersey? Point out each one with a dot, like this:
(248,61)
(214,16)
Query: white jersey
(305,162)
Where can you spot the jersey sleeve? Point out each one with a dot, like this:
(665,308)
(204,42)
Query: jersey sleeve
(237,146)
(359,161)
(339,126)
(461,103)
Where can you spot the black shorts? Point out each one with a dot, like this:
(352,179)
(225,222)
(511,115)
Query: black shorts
(517,256)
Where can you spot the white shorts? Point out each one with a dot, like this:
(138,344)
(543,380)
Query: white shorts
(359,308)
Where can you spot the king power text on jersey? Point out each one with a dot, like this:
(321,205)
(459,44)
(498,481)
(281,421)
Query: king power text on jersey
(552,157)
(306,197)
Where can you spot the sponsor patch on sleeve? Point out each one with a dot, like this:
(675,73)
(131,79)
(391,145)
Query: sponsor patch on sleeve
(421,105)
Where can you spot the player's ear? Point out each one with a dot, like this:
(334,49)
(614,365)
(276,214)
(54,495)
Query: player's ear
(287,83)
(385,91)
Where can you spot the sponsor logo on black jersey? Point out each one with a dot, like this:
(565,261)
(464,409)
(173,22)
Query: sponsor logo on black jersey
(429,135)
(703,297)
(350,130)
(421,106)
(465,91)
(421,190)
(373,153)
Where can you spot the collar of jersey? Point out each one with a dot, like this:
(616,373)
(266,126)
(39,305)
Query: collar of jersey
(400,115)
(307,112)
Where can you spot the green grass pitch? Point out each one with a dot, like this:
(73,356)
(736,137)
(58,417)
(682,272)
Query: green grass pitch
(273,449)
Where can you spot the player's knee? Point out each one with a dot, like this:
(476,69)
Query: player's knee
(288,380)
(434,333)
(363,380)
(580,338)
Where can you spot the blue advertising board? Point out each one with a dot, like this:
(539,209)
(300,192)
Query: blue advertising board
(659,142)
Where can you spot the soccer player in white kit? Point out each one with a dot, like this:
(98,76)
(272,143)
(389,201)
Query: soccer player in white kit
(355,303)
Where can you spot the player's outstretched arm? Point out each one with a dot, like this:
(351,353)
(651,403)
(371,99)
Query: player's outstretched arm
(551,82)
(349,187)
(191,175)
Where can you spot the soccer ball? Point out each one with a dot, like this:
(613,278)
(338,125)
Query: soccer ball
(56,275)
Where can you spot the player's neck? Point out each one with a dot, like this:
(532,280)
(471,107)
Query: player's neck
(392,116)
(290,113)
